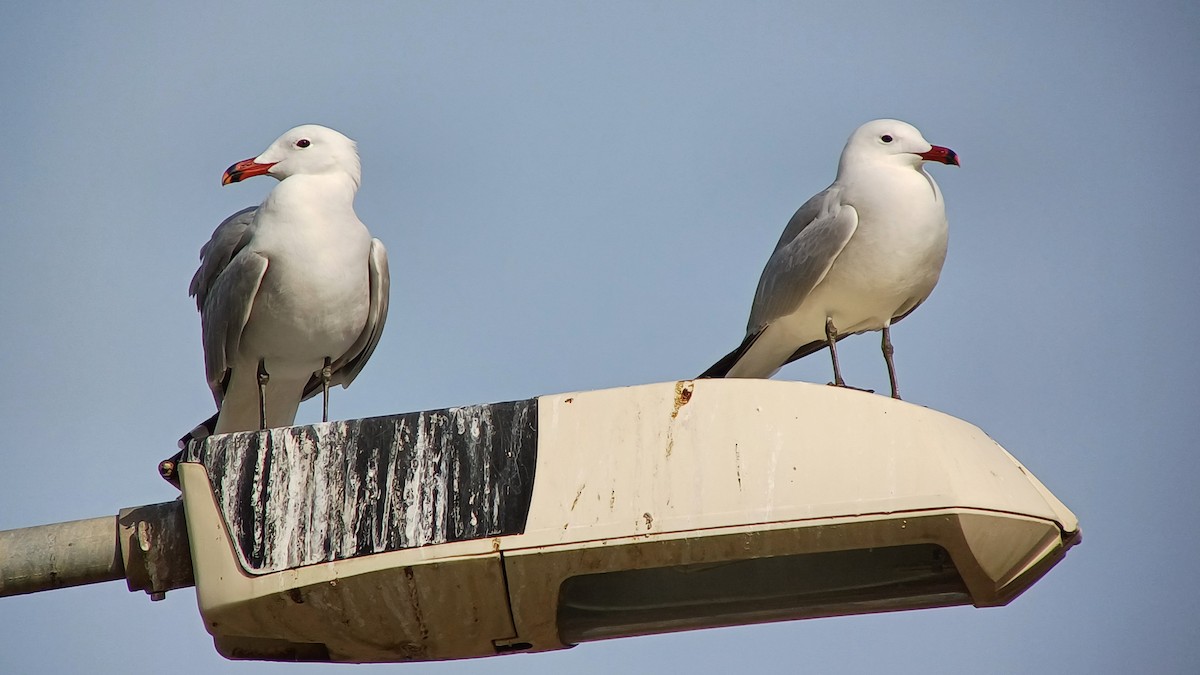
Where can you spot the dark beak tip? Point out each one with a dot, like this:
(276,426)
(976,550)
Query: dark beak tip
(940,154)
(244,169)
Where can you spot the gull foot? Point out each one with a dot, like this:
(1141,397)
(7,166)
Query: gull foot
(846,386)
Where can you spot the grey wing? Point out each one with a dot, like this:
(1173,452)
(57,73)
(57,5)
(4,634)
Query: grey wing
(229,238)
(350,364)
(812,240)
(225,287)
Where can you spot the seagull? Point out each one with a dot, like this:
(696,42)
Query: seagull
(293,293)
(857,257)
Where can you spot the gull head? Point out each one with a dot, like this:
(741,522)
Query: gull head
(309,149)
(892,142)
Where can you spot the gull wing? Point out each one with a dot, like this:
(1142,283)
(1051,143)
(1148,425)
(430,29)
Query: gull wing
(225,287)
(227,240)
(811,242)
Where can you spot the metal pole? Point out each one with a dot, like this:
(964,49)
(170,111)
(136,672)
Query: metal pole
(155,548)
(145,545)
(45,557)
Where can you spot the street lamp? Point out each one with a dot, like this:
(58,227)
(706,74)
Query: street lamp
(539,524)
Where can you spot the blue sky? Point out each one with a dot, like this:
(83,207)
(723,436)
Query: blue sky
(582,195)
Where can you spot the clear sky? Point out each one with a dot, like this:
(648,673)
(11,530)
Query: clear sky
(582,195)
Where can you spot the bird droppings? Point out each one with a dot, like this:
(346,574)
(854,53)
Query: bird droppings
(304,495)
(649,520)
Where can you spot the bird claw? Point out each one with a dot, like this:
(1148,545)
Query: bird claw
(263,378)
(326,376)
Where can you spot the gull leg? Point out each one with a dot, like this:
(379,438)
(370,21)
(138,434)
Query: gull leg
(888,350)
(831,339)
(263,378)
(831,336)
(326,376)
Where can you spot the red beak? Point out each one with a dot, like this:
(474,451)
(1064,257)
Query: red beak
(939,154)
(243,170)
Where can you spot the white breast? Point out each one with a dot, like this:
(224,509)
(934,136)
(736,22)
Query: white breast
(314,297)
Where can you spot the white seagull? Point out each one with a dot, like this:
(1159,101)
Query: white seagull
(293,293)
(857,257)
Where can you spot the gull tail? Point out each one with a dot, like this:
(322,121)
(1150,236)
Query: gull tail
(201,432)
(721,368)
(810,348)
(729,361)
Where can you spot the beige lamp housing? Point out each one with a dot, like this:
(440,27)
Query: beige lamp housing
(535,525)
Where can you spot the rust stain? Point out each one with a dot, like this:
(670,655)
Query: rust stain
(410,584)
(683,394)
(737,462)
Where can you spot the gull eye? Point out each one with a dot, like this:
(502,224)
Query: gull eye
(886,138)
(303,143)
